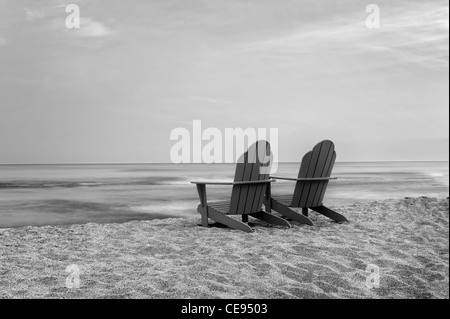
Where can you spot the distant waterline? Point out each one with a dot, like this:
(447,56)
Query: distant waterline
(68,194)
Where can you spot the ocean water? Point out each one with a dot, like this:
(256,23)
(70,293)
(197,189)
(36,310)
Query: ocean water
(71,194)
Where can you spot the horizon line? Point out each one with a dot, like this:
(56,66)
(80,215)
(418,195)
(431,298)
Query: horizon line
(165,163)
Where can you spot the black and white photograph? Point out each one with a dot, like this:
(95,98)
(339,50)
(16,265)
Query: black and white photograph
(224,154)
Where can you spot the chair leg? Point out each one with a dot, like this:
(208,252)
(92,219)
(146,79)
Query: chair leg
(204,215)
(305,211)
(330,214)
(228,221)
(289,213)
(203,207)
(271,219)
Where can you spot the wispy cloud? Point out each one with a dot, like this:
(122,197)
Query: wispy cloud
(417,34)
(51,18)
(34,14)
(92,28)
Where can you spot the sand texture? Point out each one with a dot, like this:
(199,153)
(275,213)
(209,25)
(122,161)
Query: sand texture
(408,240)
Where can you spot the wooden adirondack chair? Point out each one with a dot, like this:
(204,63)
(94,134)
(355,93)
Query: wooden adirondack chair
(311,184)
(250,187)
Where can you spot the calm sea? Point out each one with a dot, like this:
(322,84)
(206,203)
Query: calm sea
(68,194)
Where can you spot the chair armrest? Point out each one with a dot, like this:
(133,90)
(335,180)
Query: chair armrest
(266,181)
(201,187)
(211,183)
(233,183)
(304,179)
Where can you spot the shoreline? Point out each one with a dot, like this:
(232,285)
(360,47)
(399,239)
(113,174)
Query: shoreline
(156,217)
(174,258)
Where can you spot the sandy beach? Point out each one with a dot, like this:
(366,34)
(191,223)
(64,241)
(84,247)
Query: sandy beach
(408,240)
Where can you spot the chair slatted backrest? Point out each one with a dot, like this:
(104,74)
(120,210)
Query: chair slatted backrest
(317,163)
(254,165)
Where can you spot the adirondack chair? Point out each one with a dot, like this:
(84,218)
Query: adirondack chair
(311,184)
(250,187)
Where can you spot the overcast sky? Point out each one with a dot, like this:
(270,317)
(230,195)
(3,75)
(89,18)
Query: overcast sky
(113,90)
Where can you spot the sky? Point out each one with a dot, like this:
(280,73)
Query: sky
(113,90)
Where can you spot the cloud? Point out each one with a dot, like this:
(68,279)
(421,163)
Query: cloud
(89,28)
(415,34)
(92,28)
(33,15)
